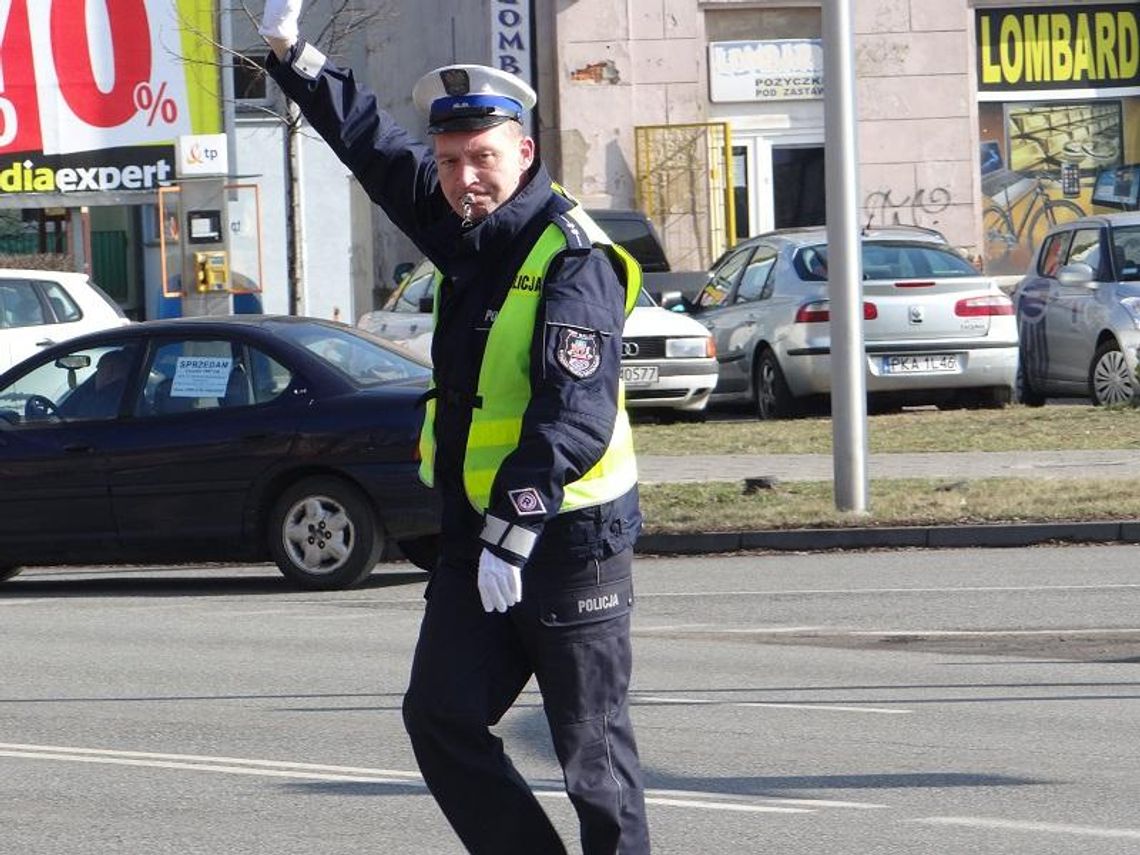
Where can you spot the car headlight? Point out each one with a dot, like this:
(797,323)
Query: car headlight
(688,348)
(1132,306)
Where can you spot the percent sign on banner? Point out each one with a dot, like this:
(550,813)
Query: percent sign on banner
(83,75)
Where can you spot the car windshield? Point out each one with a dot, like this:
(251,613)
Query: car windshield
(890,260)
(360,357)
(644,299)
(1126,250)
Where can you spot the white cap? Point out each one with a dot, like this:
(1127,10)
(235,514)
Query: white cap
(471,97)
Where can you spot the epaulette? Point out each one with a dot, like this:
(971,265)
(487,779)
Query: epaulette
(575,237)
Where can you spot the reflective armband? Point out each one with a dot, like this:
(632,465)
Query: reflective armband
(308,62)
(514,538)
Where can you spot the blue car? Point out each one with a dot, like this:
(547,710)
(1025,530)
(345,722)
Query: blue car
(247,438)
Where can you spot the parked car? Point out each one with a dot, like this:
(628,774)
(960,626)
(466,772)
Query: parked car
(935,331)
(668,361)
(637,234)
(39,308)
(242,438)
(1078,312)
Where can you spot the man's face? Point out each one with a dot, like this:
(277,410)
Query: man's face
(490,165)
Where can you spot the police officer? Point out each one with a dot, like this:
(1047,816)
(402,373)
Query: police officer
(525,436)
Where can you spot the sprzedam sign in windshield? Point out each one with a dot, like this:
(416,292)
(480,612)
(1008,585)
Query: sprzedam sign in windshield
(88,88)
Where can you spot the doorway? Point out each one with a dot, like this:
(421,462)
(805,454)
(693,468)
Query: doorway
(776,186)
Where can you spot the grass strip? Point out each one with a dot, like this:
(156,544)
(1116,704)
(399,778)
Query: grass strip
(1016,428)
(723,506)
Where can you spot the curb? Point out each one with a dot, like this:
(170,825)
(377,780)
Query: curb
(921,537)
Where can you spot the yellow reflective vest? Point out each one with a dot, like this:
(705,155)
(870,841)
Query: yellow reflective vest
(504,381)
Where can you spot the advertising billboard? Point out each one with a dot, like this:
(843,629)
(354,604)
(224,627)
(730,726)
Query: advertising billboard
(94,93)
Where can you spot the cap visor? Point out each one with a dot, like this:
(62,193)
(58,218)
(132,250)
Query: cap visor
(466,123)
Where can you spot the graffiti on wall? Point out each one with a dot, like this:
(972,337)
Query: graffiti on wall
(916,208)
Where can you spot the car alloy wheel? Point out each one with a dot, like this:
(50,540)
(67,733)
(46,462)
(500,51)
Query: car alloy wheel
(1110,378)
(324,534)
(773,398)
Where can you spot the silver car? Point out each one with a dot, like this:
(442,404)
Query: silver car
(935,331)
(1078,312)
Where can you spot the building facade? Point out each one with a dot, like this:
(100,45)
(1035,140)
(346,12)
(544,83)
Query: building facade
(984,120)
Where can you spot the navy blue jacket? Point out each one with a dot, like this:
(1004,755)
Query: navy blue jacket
(569,421)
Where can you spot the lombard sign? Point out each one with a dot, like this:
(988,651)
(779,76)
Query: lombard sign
(772,70)
(1079,47)
(87,90)
(510,39)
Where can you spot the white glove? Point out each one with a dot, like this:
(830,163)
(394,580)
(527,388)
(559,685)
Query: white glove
(279,21)
(500,583)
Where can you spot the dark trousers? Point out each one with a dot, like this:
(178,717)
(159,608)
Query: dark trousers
(571,631)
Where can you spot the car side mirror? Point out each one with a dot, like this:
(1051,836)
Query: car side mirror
(1077,274)
(427,304)
(402,269)
(674,301)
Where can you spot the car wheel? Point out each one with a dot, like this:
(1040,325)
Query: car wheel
(1024,392)
(773,398)
(7,573)
(421,551)
(1110,380)
(324,535)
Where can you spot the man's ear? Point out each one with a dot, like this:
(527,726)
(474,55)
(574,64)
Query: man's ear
(526,151)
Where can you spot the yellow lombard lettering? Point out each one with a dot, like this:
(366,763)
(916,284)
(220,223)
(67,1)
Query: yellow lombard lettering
(991,71)
(1010,52)
(1037,48)
(1105,41)
(1061,33)
(1128,42)
(1082,50)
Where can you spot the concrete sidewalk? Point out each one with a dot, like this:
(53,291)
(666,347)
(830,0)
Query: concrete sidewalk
(1116,463)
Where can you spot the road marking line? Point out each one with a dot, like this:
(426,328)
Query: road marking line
(768,704)
(836,632)
(979,589)
(1038,827)
(693,794)
(199,758)
(319,772)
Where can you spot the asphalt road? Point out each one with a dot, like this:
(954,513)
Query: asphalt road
(892,702)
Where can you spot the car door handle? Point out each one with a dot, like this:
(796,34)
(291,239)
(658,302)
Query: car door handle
(78,448)
(47,342)
(256,437)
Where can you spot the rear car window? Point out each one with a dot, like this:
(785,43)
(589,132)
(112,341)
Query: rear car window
(890,260)
(20,306)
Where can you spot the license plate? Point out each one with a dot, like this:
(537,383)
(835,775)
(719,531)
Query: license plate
(639,375)
(922,363)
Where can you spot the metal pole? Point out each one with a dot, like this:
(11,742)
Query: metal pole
(845,273)
(229,66)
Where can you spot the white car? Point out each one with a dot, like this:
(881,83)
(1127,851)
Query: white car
(668,359)
(39,308)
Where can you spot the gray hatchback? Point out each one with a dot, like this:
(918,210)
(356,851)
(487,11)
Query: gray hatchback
(1078,312)
(935,330)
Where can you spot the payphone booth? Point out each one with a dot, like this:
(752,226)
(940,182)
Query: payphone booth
(210,240)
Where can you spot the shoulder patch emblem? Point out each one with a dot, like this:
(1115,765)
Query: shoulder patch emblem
(579,351)
(527,502)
